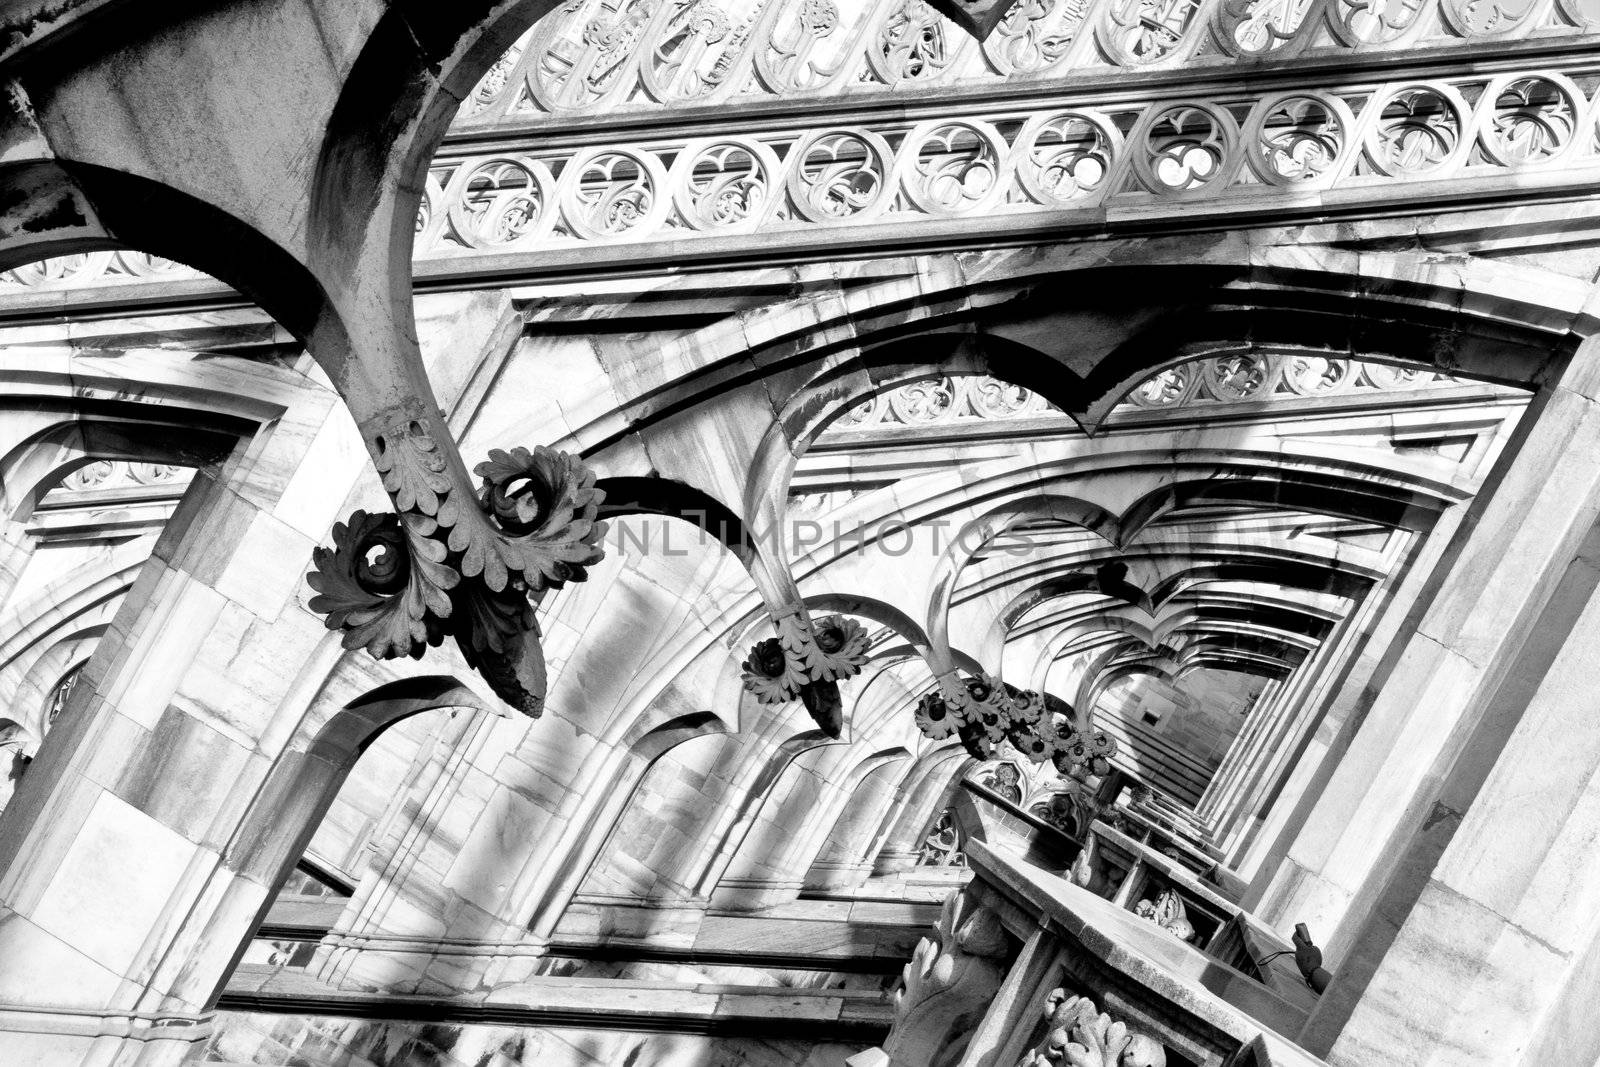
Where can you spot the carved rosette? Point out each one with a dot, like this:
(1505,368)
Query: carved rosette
(805,652)
(984,713)
(453,563)
(934,718)
(1077,1035)
(1092,752)
(768,674)
(385,583)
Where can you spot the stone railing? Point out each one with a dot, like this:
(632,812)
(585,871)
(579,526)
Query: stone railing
(1027,969)
(1076,160)
(995,171)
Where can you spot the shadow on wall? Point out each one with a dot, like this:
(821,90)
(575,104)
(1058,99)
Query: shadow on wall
(331,1041)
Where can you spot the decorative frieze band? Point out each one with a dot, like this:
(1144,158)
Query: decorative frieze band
(1156,157)
(606,56)
(1244,378)
(1004,170)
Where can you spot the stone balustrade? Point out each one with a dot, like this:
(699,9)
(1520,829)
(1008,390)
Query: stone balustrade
(1024,965)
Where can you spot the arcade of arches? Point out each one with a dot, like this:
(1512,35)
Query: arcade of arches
(694,533)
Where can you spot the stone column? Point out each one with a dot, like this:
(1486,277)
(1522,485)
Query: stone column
(123,893)
(129,874)
(1495,958)
(1501,583)
(1335,705)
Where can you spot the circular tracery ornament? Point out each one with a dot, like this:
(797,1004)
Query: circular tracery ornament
(1139,32)
(953,168)
(1359,22)
(56,269)
(89,475)
(1165,389)
(1486,18)
(492,86)
(501,202)
(930,400)
(867,412)
(1034,36)
(841,174)
(995,399)
(1065,158)
(154,473)
(1418,130)
(723,186)
(1187,149)
(581,51)
(144,264)
(1391,376)
(1238,377)
(1297,139)
(1532,120)
(1315,375)
(1582,13)
(1260,27)
(611,193)
(914,45)
(805,49)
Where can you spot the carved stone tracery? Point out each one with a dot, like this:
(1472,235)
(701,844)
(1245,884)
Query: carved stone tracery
(595,55)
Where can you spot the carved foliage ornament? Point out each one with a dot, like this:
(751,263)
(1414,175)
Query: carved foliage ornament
(807,653)
(1076,1035)
(984,713)
(398,583)
(948,985)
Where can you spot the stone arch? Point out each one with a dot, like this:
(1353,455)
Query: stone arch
(67,206)
(844,858)
(283,817)
(34,467)
(641,750)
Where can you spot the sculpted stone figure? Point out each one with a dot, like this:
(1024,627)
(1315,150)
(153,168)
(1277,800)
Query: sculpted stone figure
(1167,911)
(1076,1035)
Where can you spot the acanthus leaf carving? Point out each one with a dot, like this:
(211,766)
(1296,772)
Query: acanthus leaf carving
(385,583)
(453,563)
(1077,752)
(769,675)
(835,649)
(805,661)
(546,508)
(1078,1035)
(412,466)
(945,989)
